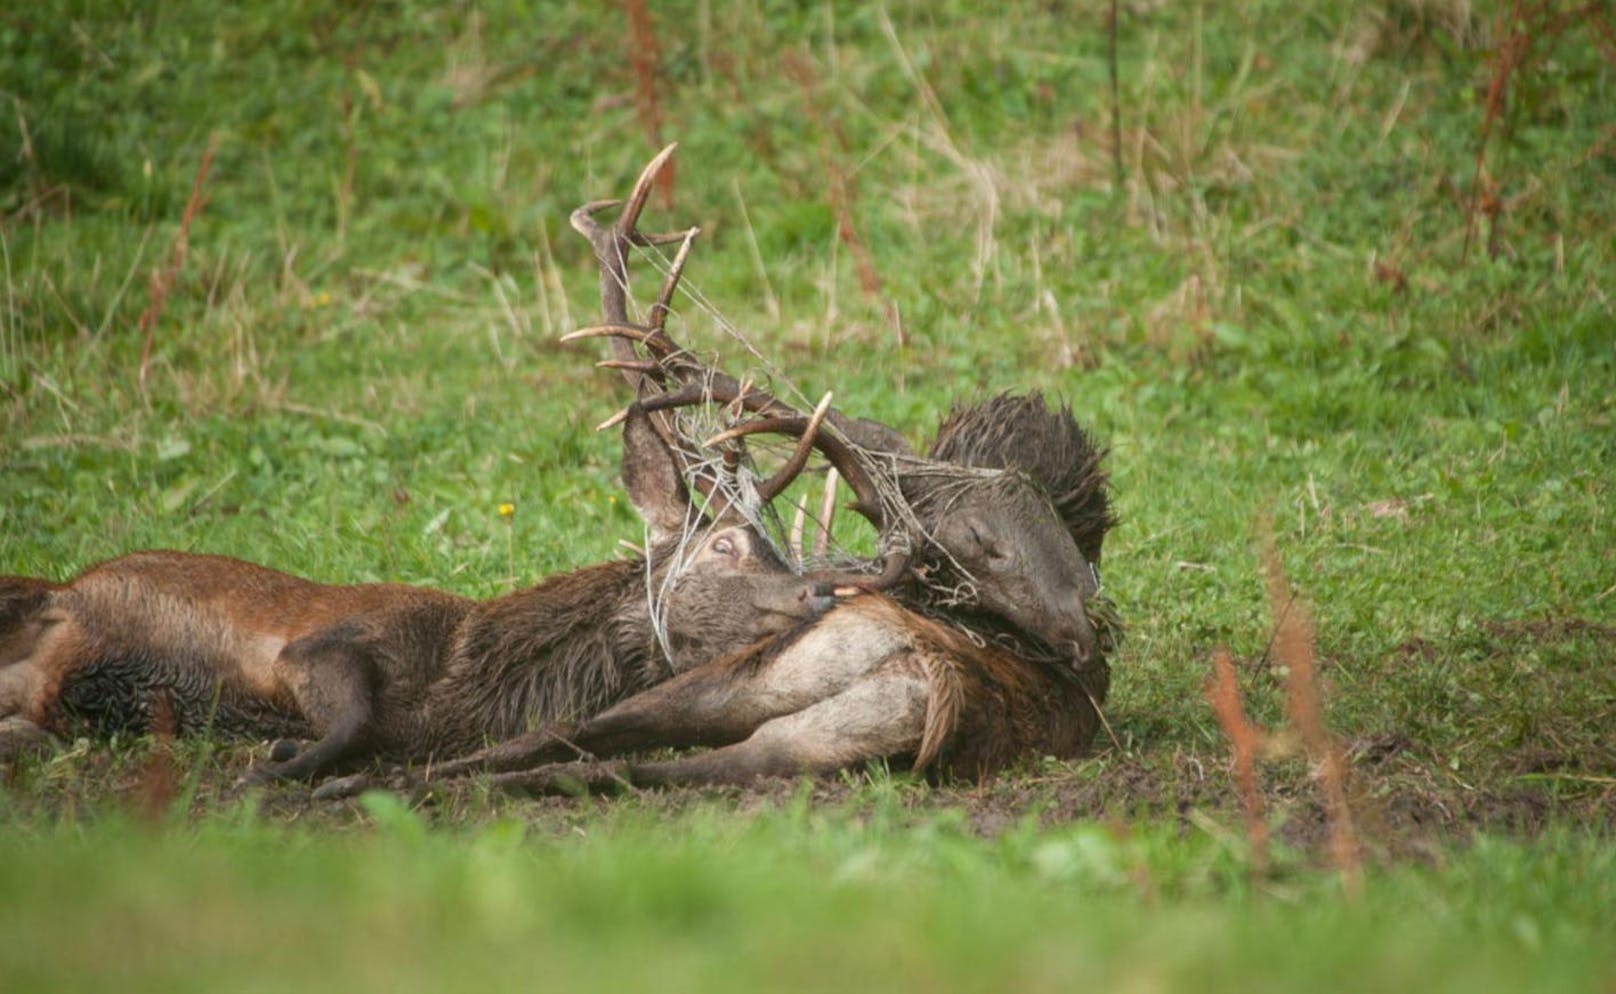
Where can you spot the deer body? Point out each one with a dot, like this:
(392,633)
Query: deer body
(243,651)
(1000,529)
(187,643)
(870,680)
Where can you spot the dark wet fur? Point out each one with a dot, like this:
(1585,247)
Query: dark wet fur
(1020,431)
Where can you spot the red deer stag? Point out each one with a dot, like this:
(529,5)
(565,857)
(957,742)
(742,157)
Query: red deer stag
(1005,517)
(384,670)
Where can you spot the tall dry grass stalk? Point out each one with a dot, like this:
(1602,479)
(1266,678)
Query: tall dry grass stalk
(1293,644)
(645,58)
(1245,740)
(841,189)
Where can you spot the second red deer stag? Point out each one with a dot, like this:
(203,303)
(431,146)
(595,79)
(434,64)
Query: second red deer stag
(218,645)
(1003,520)
(993,648)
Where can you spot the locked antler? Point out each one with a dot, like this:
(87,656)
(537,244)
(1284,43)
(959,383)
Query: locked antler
(673,378)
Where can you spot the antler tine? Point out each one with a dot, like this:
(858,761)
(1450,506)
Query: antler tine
(772,487)
(632,332)
(649,367)
(798,520)
(611,246)
(658,316)
(894,566)
(781,419)
(642,192)
(827,513)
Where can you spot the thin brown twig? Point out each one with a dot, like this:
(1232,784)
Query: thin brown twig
(1245,739)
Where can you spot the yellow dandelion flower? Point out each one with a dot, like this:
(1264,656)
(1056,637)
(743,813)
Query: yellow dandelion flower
(506,510)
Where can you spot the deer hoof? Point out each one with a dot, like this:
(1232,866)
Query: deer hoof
(21,737)
(342,788)
(282,750)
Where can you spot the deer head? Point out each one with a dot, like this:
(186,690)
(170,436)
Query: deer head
(714,579)
(1004,518)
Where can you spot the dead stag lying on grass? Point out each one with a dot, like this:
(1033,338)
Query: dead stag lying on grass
(993,649)
(1004,518)
(384,670)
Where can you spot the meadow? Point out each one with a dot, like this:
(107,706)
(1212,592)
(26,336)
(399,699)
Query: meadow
(1287,300)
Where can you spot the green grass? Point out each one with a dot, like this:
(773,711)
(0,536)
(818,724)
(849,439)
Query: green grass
(791,898)
(1269,322)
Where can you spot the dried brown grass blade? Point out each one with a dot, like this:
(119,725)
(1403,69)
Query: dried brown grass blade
(162,280)
(1293,642)
(1245,739)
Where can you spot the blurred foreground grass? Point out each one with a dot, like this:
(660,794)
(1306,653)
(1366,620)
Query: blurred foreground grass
(787,899)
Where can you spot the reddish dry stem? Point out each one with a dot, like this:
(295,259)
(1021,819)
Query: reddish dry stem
(162,280)
(1293,640)
(645,58)
(1513,41)
(1223,691)
(154,791)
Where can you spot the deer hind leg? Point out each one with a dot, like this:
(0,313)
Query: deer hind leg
(879,716)
(549,744)
(331,674)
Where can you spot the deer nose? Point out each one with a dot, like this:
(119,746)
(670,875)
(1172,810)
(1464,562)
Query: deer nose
(1080,634)
(820,595)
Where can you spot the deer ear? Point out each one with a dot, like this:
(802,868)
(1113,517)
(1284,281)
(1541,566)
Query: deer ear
(651,477)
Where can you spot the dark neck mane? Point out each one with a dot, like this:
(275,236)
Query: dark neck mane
(564,649)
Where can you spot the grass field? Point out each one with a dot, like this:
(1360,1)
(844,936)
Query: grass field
(1277,320)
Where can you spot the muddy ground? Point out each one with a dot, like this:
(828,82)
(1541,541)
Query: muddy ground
(1406,798)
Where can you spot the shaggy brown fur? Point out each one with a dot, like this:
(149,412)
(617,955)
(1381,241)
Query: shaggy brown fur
(381,669)
(1021,432)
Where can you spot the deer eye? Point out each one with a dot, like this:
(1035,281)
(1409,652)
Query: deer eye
(723,547)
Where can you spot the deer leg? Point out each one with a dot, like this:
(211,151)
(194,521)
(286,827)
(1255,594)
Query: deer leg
(542,745)
(884,715)
(725,701)
(19,736)
(331,677)
(715,704)
(694,708)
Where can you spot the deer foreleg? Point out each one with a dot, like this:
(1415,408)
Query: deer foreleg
(331,676)
(549,744)
(715,704)
(707,705)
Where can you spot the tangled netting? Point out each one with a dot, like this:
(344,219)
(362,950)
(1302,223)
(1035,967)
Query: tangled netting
(967,454)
